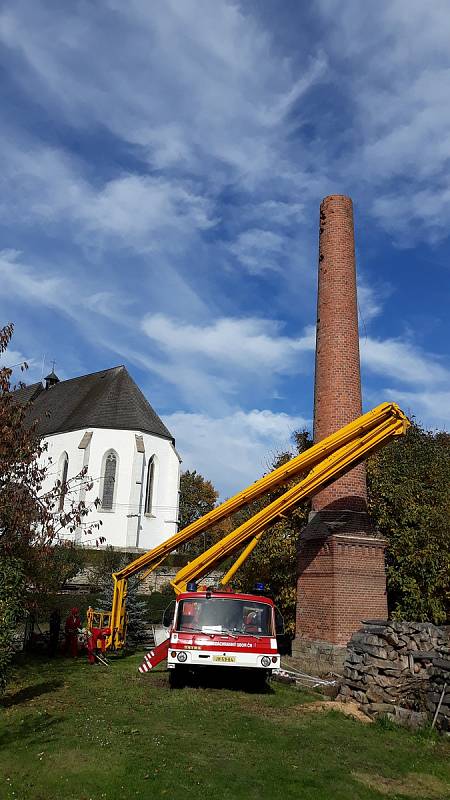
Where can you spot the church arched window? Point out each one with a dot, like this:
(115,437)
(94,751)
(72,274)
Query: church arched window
(63,469)
(150,485)
(109,473)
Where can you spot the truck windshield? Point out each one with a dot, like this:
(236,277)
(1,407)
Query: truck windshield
(222,615)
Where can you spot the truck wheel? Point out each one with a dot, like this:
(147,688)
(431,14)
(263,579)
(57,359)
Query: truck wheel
(177,678)
(260,681)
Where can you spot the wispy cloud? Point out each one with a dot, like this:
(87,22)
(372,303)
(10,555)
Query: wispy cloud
(135,210)
(24,282)
(398,99)
(248,343)
(259,250)
(235,449)
(431,408)
(393,358)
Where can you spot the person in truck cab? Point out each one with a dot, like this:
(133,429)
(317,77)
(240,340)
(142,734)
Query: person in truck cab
(251,623)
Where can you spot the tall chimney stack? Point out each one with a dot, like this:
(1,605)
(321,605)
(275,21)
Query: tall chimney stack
(337,389)
(341,574)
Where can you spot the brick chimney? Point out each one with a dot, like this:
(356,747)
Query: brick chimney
(337,388)
(341,564)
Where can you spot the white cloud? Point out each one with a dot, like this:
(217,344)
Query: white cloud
(220,136)
(225,94)
(235,450)
(11,358)
(258,250)
(276,212)
(394,358)
(396,70)
(141,211)
(249,344)
(214,364)
(140,207)
(23,282)
(209,365)
(429,407)
(407,214)
(284,103)
(370,300)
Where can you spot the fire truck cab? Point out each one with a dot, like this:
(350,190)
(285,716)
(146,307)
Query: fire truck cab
(222,629)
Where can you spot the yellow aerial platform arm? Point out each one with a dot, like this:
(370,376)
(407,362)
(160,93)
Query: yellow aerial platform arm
(323,463)
(324,472)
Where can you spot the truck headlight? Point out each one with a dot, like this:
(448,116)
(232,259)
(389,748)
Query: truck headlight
(265,661)
(182,657)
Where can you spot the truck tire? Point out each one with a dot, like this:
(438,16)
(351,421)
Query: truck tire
(260,680)
(177,678)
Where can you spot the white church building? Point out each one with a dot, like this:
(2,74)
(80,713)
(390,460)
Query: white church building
(103,422)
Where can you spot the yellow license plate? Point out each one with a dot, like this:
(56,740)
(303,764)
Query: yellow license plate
(228,659)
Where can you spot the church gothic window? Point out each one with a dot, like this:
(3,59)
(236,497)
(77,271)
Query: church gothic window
(109,480)
(64,466)
(150,485)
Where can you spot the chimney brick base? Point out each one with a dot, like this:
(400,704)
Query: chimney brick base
(341,581)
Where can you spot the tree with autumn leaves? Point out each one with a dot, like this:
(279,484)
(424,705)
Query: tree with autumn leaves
(197,497)
(35,558)
(409,501)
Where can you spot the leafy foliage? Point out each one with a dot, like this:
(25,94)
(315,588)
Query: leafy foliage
(137,609)
(138,617)
(31,522)
(409,500)
(197,497)
(12,584)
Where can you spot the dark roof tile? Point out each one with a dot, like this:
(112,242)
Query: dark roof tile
(106,399)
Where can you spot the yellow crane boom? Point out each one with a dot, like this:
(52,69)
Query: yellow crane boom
(321,475)
(323,463)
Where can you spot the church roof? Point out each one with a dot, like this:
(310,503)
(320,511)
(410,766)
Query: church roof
(106,399)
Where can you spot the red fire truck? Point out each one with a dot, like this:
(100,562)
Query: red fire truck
(220,629)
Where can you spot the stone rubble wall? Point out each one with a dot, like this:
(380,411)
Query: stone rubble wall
(399,669)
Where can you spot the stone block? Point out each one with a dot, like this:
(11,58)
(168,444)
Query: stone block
(359,696)
(351,673)
(383,680)
(376,622)
(372,650)
(353,658)
(367,669)
(366,639)
(377,662)
(377,695)
(443,664)
(409,719)
(375,709)
(425,655)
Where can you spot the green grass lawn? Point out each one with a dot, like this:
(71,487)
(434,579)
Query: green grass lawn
(76,732)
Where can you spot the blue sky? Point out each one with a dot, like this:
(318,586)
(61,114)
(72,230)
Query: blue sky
(163,166)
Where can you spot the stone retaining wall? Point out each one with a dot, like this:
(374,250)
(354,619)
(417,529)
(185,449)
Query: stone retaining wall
(399,669)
